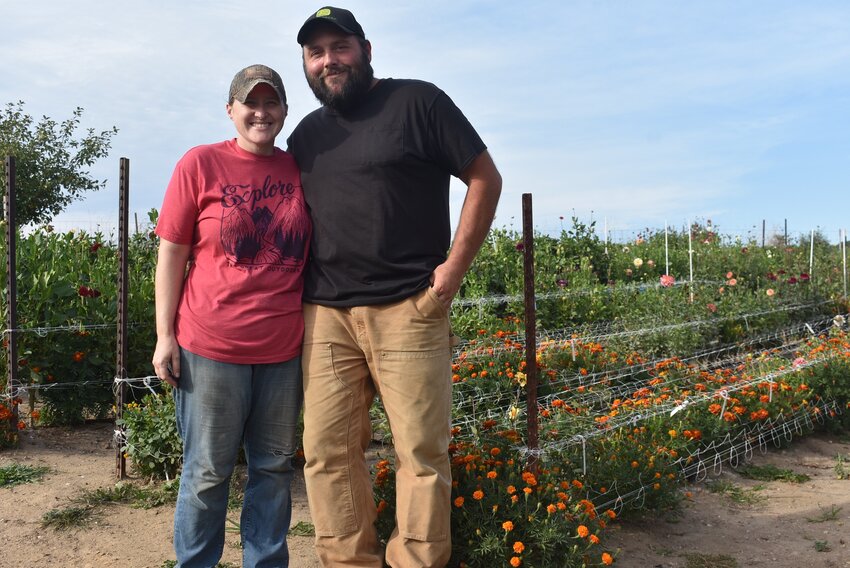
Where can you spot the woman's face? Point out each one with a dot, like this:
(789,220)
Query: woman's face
(258,120)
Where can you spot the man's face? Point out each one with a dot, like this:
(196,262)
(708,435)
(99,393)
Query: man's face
(337,67)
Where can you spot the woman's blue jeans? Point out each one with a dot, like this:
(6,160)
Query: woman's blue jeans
(221,406)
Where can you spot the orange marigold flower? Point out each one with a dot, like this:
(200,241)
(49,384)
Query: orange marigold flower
(550,508)
(527,490)
(459,502)
(594,539)
(577,484)
(519,547)
(516,561)
(79,356)
(607,559)
(495,451)
(611,514)
(491,475)
(511,489)
(507,526)
(478,495)
(582,531)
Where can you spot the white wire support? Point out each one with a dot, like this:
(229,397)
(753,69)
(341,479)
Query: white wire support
(499,299)
(733,449)
(602,387)
(665,408)
(79,327)
(136,382)
(602,331)
(588,425)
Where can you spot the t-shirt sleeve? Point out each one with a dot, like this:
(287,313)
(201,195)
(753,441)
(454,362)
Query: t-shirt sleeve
(453,142)
(179,212)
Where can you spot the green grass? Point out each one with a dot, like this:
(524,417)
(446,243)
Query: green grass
(236,492)
(70,517)
(772,473)
(302,528)
(822,546)
(830,515)
(140,497)
(17,474)
(842,471)
(736,494)
(699,560)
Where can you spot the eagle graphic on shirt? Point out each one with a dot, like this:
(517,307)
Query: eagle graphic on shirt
(263,236)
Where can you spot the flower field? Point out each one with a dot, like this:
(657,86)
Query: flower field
(656,359)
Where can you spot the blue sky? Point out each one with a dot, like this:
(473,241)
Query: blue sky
(627,113)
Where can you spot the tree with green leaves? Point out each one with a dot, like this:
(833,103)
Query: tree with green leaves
(51,161)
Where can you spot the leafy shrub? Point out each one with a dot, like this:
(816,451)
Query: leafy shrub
(152,442)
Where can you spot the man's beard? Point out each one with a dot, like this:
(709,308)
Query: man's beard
(357,84)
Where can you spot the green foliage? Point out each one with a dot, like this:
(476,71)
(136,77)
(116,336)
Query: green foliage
(506,514)
(50,161)
(302,528)
(830,514)
(770,472)
(841,469)
(137,496)
(17,474)
(70,517)
(736,494)
(67,287)
(152,442)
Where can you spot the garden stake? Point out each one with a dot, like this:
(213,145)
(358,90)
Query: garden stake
(530,331)
(691,261)
(11,297)
(844,259)
(812,256)
(123,284)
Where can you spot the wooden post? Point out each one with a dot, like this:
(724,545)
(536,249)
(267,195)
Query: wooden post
(12,384)
(123,288)
(530,331)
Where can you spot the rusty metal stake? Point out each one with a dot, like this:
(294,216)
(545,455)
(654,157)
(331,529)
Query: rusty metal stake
(13,383)
(530,331)
(123,289)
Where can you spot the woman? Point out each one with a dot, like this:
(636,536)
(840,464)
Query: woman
(229,329)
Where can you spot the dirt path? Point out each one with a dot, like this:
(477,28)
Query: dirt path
(790,526)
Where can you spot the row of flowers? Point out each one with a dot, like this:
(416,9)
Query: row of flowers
(610,443)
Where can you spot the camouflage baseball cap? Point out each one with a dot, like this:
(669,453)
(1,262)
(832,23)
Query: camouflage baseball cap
(250,77)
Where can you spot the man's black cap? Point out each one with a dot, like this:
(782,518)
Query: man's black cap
(341,18)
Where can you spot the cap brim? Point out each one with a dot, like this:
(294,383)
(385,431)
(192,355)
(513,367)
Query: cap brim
(307,29)
(250,87)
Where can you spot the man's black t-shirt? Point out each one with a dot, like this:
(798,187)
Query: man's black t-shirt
(377,183)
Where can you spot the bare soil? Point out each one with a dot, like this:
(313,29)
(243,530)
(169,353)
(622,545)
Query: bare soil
(792,525)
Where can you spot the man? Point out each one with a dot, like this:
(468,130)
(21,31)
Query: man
(376,161)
